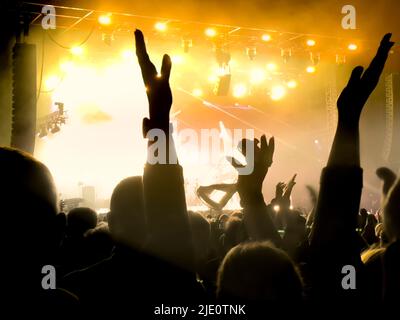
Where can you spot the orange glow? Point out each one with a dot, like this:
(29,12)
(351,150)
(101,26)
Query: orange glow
(77,50)
(105,19)
(210,32)
(266,37)
(292,84)
(310,69)
(239,90)
(311,42)
(278,92)
(161,26)
(352,47)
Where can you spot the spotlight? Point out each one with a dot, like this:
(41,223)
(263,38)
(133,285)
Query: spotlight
(105,19)
(310,69)
(278,92)
(271,66)
(210,32)
(239,90)
(292,84)
(276,208)
(257,76)
(77,50)
(197,92)
(352,47)
(161,26)
(311,42)
(266,37)
(251,52)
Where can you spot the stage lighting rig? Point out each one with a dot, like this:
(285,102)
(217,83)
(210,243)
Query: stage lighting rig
(52,122)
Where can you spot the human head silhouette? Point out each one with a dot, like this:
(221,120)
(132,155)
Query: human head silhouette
(126,219)
(256,272)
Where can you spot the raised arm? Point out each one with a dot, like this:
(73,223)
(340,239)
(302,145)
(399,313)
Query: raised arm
(165,204)
(257,220)
(334,238)
(341,180)
(204,192)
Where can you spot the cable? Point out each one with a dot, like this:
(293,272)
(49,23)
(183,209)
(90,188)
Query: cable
(68,48)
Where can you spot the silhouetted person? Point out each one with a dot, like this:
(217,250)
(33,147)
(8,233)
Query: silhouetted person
(32,230)
(258,272)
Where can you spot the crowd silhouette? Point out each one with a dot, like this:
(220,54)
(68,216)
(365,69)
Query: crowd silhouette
(153,251)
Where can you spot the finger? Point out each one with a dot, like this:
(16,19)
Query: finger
(271,146)
(166,67)
(234,162)
(373,72)
(294,177)
(355,76)
(263,144)
(148,69)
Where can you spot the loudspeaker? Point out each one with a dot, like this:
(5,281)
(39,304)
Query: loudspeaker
(23,126)
(222,86)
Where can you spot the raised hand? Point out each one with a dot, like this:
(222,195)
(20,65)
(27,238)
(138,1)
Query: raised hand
(157,87)
(289,187)
(280,187)
(249,186)
(360,86)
